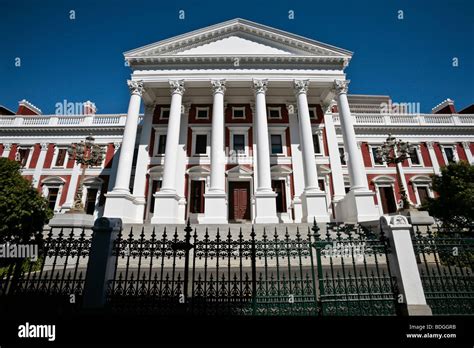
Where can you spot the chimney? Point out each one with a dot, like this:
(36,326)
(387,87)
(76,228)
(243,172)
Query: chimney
(445,107)
(89,108)
(26,108)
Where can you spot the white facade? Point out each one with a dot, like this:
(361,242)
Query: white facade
(241,122)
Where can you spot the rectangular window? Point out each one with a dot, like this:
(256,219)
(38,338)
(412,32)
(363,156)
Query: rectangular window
(238,113)
(321,184)
(274,112)
(423,194)
(317,147)
(201,144)
(415,159)
(449,152)
(22,156)
(342,156)
(377,161)
(312,113)
(278,187)
(202,113)
(52,197)
(161,144)
(90,201)
(60,159)
(239,143)
(197,196)
(165,113)
(277,146)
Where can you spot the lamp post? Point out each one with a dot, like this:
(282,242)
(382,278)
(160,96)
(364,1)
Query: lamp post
(85,153)
(396,151)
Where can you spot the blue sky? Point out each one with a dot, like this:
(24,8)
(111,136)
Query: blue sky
(81,59)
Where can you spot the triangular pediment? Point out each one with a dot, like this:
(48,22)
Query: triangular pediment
(237,37)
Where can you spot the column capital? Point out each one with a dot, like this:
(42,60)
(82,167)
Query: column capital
(466,144)
(117,146)
(260,86)
(7,146)
(327,107)
(341,86)
(300,86)
(177,86)
(135,87)
(218,86)
(44,146)
(429,145)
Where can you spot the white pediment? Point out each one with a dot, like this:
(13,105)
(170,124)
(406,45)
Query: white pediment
(234,45)
(237,37)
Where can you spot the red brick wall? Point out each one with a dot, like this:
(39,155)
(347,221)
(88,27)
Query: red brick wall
(109,155)
(284,114)
(439,154)
(157,113)
(248,114)
(364,147)
(425,155)
(461,153)
(12,154)
(49,156)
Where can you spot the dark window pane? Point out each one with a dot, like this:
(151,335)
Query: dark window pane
(22,156)
(238,113)
(61,157)
(90,201)
(201,143)
(423,194)
(52,197)
(161,144)
(449,154)
(376,159)
(414,157)
(317,148)
(155,187)
(202,113)
(197,196)
(165,113)
(278,187)
(239,142)
(342,156)
(311,113)
(277,146)
(274,113)
(322,187)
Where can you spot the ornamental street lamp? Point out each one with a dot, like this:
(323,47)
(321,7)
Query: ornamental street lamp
(396,151)
(85,153)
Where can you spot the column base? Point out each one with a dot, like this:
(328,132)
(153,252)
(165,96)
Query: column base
(265,208)
(124,206)
(298,210)
(215,209)
(315,206)
(168,208)
(357,206)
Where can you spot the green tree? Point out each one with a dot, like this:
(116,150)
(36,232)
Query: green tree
(23,211)
(454,205)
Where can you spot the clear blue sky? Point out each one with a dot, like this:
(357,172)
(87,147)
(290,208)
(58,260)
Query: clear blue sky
(81,59)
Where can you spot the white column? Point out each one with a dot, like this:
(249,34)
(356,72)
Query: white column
(124,170)
(358,205)
(265,202)
(334,157)
(6,150)
(40,164)
(172,136)
(215,205)
(314,203)
(217,138)
(467,150)
(120,202)
(355,163)
(433,158)
(167,199)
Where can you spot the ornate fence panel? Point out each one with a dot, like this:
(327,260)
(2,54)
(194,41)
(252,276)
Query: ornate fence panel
(213,275)
(58,273)
(445,259)
(353,272)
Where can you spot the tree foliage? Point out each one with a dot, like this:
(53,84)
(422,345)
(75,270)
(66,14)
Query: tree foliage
(23,211)
(455,204)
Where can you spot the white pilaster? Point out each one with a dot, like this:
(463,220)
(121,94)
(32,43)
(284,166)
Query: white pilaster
(215,207)
(40,164)
(433,158)
(265,202)
(143,160)
(314,202)
(297,161)
(120,202)
(358,205)
(167,199)
(467,150)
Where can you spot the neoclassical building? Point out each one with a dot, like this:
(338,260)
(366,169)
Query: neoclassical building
(241,122)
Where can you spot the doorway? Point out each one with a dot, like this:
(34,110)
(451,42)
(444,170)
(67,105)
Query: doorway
(239,197)
(387,198)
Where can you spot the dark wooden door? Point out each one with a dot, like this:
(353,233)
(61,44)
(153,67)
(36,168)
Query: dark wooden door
(388,200)
(239,207)
(90,200)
